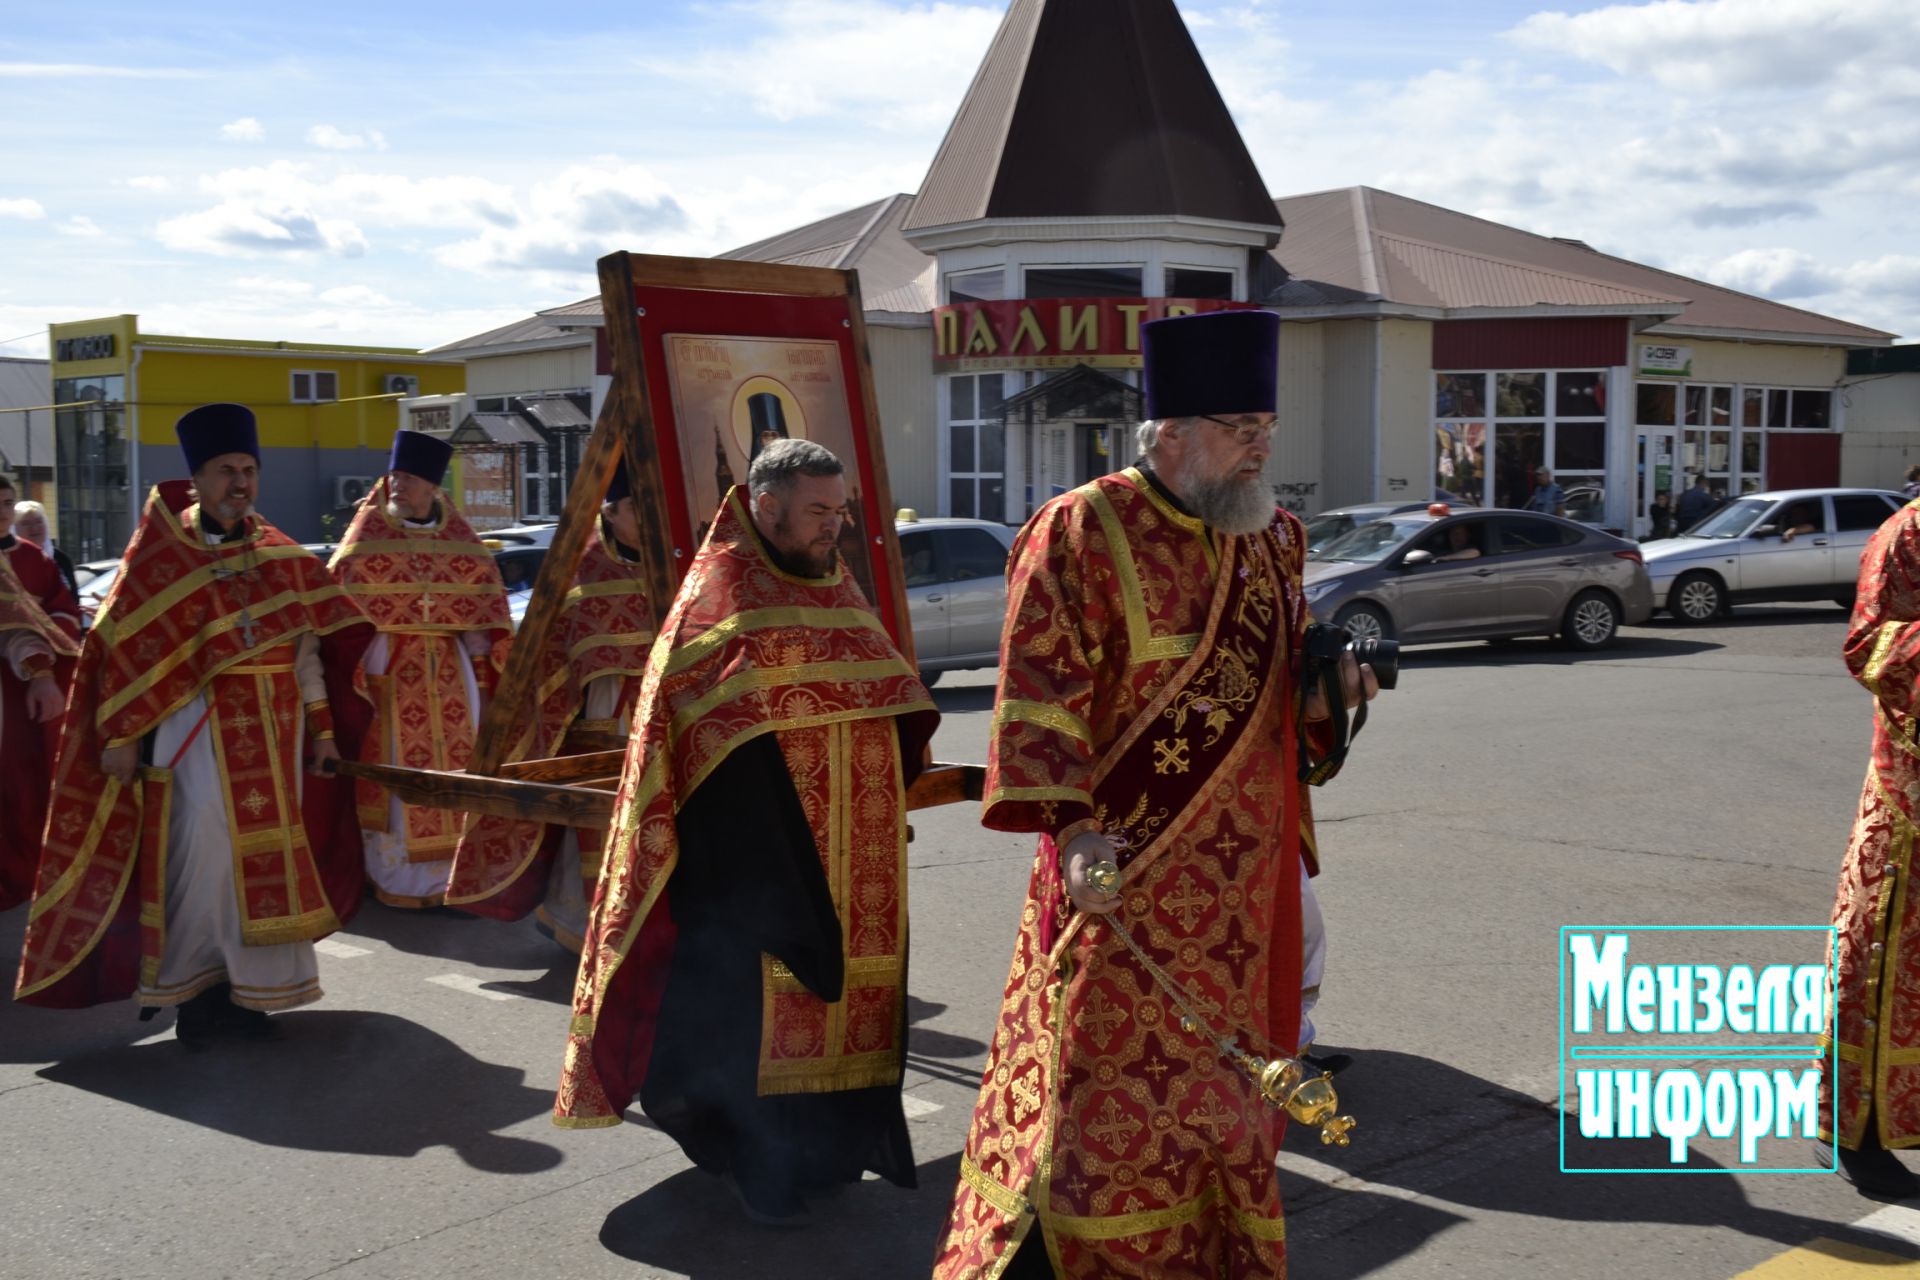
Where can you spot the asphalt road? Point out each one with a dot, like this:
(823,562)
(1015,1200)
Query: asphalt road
(400,1130)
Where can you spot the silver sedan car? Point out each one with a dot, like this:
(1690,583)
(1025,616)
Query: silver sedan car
(956,573)
(1785,544)
(1482,575)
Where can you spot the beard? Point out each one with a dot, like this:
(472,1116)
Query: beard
(801,562)
(1236,503)
(231,512)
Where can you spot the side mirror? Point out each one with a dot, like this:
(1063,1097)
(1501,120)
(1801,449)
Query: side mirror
(1765,531)
(1415,559)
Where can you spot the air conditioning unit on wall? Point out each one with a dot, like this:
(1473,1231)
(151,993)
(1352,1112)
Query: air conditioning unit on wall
(348,491)
(403,384)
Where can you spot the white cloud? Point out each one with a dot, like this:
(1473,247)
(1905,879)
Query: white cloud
(1696,45)
(892,66)
(150,182)
(581,213)
(245,129)
(240,228)
(356,295)
(21,208)
(329,138)
(80,225)
(273,285)
(90,71)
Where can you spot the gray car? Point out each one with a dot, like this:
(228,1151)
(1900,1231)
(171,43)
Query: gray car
(956,573)
(1328,525)
(1742,552)
(1482,575)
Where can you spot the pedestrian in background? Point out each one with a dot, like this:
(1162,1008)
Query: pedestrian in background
(30,524)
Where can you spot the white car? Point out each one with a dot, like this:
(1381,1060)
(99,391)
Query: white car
(956,572)
(1741,553)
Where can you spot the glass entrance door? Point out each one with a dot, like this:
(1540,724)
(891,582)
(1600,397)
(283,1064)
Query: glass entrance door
(1654,472)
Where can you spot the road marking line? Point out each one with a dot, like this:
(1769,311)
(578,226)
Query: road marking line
(1894,1220)
(1825,1259)
(340,950)
(916,1107)
(468,983)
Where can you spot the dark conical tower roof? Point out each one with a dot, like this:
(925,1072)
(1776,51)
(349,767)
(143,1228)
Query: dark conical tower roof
(1092,108)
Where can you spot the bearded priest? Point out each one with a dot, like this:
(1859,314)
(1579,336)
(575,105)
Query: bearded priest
(1146,717)
(745,969)
(187,860)
(411,560)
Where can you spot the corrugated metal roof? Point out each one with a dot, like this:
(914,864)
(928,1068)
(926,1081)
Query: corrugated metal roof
(584,308)
(24,383)
(532,329)
(915,296)
(1368,243)
(555,413)
(500,428)
(1092,108)
(1450,278)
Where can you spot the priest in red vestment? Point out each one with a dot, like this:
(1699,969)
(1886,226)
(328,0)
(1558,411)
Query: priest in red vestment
(27,749)
(1147,715)
(745,969)
(36,662)
(589,681)
(411,560)
(1877,925)
(188,861)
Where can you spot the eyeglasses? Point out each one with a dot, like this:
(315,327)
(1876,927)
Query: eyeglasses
(1245,432)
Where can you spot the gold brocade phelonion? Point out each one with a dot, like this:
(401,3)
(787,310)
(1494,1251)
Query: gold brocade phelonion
(1283,1080)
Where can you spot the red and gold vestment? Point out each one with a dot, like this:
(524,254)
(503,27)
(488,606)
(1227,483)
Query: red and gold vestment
(27,749)
(424,586)
(1876,911)
(749,651)
(187,618)
(604,629)
(1147,689)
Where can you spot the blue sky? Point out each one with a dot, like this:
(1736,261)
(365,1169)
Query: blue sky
(413,173)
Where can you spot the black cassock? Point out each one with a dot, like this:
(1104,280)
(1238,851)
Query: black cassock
(749,881)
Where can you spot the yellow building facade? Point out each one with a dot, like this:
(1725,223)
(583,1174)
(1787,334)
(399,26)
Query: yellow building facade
(327,414)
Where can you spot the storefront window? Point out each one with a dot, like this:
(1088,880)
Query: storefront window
(1460,395)
(977,286)
(1083,282)
(1521,395)
(976,447)
(90,467)
(1580,446)
(1654,404)
(1580,395)
(1542,417)
(1196,282)
(1460,469)
(1519,450)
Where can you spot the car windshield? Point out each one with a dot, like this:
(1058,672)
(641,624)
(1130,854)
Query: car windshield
(1371,543)
(1324,529)
(1731,521)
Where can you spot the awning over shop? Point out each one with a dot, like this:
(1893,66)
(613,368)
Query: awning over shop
(1081,393)
(483,429)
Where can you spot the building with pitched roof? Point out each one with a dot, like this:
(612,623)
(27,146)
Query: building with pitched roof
(1424,352)
(26,426)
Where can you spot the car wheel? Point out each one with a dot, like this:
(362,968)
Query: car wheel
(1696,598)
(930,678)
(1364,622)
(1592,621)
(1845,600)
